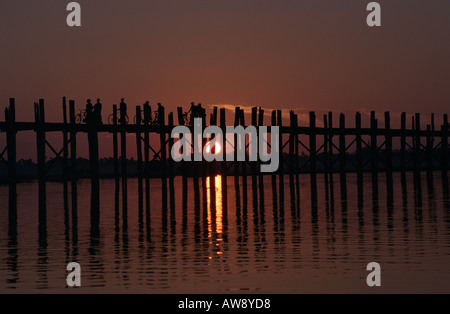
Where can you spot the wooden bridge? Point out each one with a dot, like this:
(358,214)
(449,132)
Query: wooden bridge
(329,148)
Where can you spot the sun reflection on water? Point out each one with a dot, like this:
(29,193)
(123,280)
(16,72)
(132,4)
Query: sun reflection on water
(214,209)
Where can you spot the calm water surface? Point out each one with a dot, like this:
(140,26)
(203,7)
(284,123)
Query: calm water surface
(257,238)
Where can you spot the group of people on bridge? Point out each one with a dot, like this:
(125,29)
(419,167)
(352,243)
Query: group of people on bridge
(94,113)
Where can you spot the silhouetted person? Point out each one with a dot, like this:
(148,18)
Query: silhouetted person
(147,113)
(194,113)
(98,112)
(122,111)
(160,111)
(88,117)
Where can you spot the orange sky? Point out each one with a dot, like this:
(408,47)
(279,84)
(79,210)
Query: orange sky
(305,55)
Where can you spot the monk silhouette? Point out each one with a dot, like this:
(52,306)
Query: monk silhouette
(123,111)
(98,112)
(88,116)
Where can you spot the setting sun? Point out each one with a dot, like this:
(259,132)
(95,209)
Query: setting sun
(216,148)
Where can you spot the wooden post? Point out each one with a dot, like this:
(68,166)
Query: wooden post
(292,140)
(171,165)
(162,137)
(244,164)
(241,121)
(429,151)
(342,153)
(214,116)
(180,116)
(359,159)
(274,178)
(39,114)
(296,166)
(73,159)
(261,178)
(236,146)
(139,160)
(254,164)
(325,148)
(292,134)
(330,141)
(223,126)
(181,121)
(10,118)
(65,147)
(73,145)
(123,157)
(115,146)
(147,119)
(261,116)
(417,148)
(403,142)
(388,154)
(326,159)
(92,124)
(66,175)
(444,146)
(224,163)
(280,143)
(281,173)
(374,148)
(312,148)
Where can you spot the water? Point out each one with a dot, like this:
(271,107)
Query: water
(264,239)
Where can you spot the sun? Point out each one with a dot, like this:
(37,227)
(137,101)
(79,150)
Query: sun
(215,149)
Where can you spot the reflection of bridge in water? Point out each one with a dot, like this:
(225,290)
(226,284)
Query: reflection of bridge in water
(264,202)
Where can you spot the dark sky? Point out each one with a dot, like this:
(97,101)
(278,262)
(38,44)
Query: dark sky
(305,55)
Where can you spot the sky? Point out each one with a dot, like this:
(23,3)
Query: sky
(278,54)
